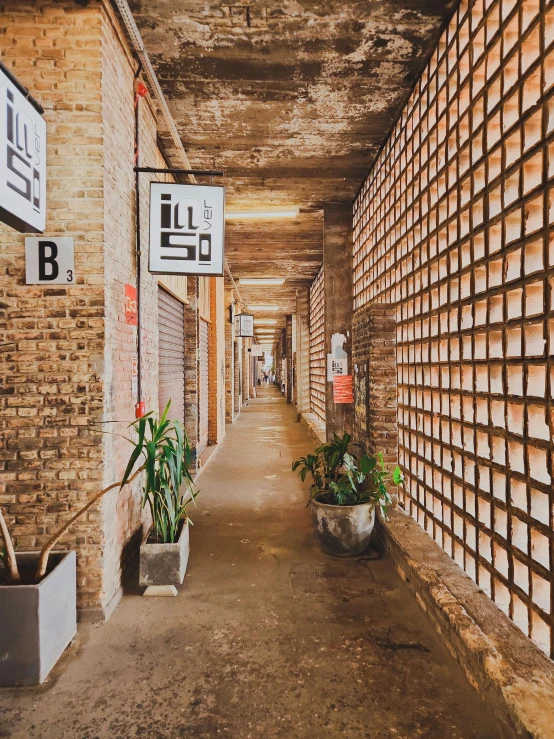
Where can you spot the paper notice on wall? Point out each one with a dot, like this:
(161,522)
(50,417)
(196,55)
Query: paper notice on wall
(342,389)
(337,360)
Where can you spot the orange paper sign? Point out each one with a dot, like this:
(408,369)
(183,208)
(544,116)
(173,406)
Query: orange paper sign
(342,389)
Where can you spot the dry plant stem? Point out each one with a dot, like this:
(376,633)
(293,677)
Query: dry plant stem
(10,551)
(51,543)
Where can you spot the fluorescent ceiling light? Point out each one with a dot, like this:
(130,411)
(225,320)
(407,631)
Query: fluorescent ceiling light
(261,280)
(263,307)
(253,214)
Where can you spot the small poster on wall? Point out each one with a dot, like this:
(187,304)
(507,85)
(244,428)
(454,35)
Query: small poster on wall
(361,381)
(131,305)
(342,389)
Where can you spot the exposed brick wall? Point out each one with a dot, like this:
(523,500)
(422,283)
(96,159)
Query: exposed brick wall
(317,346)
(70,368)
(191,367)
(229,358)
(217,360)
(288,339)
(454,227)
(51,374)
(374,348)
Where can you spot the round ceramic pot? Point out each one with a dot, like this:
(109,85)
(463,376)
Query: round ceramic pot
(343,531)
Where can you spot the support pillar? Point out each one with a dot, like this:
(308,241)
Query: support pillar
(337,260)
(218,316)
(302,352)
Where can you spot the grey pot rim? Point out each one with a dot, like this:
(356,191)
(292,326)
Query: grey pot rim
(345,508)
(65,552)
(184,525)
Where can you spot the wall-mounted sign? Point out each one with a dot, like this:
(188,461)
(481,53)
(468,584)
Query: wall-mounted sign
(22,160)
(244,325)
(187,229)
(337,360)
(49,261)
(131,305)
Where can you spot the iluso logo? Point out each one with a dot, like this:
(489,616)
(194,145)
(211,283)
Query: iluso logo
(22,160)
(186,229)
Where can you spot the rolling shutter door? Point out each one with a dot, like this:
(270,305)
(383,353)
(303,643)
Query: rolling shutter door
(204,385)
(171,355)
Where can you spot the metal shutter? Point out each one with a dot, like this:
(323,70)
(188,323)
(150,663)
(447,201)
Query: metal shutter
(204,386)
(171,355)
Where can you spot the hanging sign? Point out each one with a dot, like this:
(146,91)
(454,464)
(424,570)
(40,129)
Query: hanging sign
(186,229)
(256,350)
(49,261)
(131,305)
(22,159)
(244,325)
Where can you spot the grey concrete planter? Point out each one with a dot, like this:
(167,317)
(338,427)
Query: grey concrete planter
(37,622)
(165,564)
(343,531)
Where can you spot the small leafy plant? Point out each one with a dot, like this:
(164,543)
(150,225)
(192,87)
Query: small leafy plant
(341,478)
(168,487)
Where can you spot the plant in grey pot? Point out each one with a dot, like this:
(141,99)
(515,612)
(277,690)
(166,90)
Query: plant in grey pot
(168,490)
(38,594)
(345,492)
(38,602)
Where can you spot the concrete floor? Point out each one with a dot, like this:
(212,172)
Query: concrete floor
(268,636)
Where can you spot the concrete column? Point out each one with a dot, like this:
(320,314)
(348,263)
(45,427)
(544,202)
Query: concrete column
(289,372)
(302,352)
(218,316)
(229,358)
(191,367)
(337,259)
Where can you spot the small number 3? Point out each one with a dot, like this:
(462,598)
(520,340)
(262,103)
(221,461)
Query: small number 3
(70,275)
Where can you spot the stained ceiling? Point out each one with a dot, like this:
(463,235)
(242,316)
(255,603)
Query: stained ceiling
(292,100)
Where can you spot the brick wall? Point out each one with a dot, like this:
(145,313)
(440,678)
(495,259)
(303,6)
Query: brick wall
(317,346)
(52,381)
(454,228)
(69,367)
(374,359)
(217,360)
(191,367)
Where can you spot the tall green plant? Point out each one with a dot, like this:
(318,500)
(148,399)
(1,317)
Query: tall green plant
(169,487)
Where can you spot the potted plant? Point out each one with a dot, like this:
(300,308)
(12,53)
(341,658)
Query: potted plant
(345,493)
(38,593)
(168,490)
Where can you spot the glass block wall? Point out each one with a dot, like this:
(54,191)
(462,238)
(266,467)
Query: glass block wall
(317,346)
(454,227)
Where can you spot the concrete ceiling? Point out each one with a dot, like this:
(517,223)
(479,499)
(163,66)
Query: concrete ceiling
(292,100)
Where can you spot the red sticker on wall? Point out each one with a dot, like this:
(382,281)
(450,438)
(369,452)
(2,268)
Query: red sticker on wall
(342,389)
(131,308)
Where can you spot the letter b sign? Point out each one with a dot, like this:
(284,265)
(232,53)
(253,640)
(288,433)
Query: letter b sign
(49,261)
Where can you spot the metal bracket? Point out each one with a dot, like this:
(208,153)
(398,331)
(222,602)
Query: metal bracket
(171,170)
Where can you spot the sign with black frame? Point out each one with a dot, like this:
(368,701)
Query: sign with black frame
(187,229)
(22,157)
(244,325)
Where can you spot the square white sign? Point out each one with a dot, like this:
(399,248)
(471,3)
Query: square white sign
(49,261)
(187,229)
(22,160)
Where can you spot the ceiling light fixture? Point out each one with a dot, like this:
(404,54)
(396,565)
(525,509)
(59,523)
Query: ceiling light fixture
(265,321)
(261,280)
(264,308)
(252,214)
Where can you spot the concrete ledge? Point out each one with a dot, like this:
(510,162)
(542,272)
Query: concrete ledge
(316,427)
(513,677)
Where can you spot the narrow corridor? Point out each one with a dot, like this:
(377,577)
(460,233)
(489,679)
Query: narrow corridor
(268,637)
